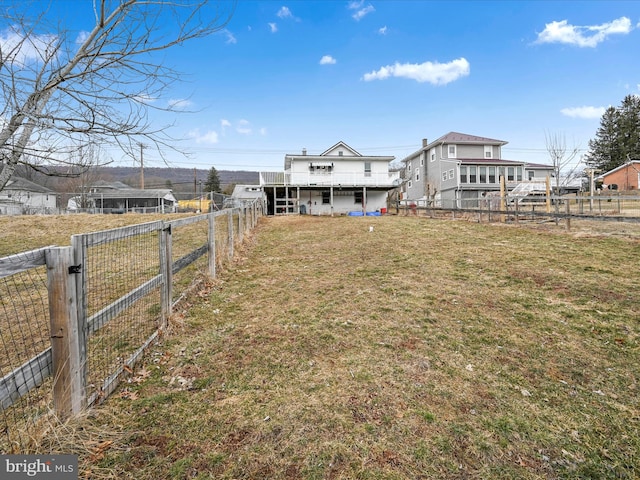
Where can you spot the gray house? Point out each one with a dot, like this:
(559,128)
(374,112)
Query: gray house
(21,196)
(458,170)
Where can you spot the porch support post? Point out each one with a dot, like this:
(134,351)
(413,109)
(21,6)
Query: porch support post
(298,199)
(331,198)
(364,200)
(275,202)
(286,199)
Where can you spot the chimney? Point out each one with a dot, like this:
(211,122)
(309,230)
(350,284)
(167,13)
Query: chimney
(425,142)
(304,151)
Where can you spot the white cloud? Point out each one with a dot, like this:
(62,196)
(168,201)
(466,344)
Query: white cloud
(327,60)
(82,37)
(208,137)
(284,12)
(361,11)
(263,131)
(583,36)
(383,30)
(21,50)
(224,123)
(273,27)
(231,39)
(432,72)
(179,103)
(583,112)
(244,127)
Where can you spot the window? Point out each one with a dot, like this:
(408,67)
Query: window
(463,174)
(367,169)
(358,197)
(519,174)
(409,167)
(444,176)
(492,174)
(422,161)
(510,174)
(433,154)
(326,198)
(530,175)
(417,175)
(483,174)
(409,186)
(452,151)
(501,172)
(451,174)
(488,151)
(473,178)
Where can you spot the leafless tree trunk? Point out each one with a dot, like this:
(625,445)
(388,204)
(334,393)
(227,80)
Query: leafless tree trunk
(561,158)
(62,89)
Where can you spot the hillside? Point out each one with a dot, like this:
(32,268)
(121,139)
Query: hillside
(178,179)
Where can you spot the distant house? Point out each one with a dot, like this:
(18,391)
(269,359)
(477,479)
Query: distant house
(625,177)
(21,196)
(338,181)
(458,170)
(244,193)
(117,197)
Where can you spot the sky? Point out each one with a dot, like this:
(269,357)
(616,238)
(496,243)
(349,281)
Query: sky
(383,75)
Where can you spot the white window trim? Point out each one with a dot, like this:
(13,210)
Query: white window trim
(433,154)
(451,174)
(454,153)
(488,149)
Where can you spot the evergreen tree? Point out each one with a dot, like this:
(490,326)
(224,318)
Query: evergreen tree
(604,150)
(618,138)
(213,181)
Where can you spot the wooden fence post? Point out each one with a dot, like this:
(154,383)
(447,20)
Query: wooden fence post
(212,245)
(568,211)
(69,390)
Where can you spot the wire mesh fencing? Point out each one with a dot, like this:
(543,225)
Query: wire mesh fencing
(25,356)
(121,287)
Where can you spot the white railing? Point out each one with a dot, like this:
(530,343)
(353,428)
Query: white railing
(348,179)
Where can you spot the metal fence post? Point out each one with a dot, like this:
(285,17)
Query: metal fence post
(230,233)
(166,270)
(69,397)
(212,245)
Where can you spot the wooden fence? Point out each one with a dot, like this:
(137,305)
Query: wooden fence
(107,297)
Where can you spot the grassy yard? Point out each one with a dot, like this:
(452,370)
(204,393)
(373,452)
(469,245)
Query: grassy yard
(422,349)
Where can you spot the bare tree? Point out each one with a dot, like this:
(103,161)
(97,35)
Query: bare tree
(63,89)
(561,157)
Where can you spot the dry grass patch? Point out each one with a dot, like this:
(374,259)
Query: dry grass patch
(423,349)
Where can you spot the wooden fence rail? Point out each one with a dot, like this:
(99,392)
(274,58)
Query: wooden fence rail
(68,283)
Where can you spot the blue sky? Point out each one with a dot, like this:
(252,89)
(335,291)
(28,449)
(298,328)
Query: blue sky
(383,75)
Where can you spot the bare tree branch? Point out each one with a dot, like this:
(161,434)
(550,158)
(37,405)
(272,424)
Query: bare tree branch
(61,91)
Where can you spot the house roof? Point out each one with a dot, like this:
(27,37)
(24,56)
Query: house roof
(621,167)
(327,154)
(22,184)
(338,145)
(459,139)
(247,192)
(456,137)
(540,166)
(135,193)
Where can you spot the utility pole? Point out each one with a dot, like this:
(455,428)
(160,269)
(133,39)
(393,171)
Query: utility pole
(142,147)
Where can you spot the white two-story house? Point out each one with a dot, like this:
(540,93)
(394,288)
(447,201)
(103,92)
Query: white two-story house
(338,181)
(458,170)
